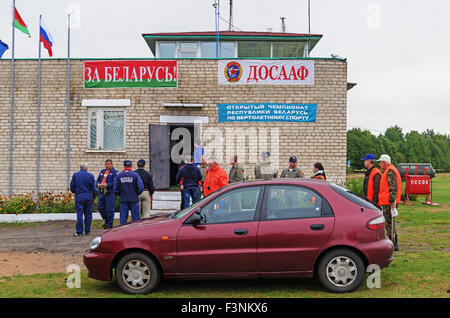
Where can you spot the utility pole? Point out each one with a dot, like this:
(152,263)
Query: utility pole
(309,25)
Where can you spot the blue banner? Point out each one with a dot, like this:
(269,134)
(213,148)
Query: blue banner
(267,112)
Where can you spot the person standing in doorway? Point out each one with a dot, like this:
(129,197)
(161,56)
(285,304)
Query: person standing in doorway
(149,189)
(128,185)
(83,185)
(107,200)
(199,152)
(190,178)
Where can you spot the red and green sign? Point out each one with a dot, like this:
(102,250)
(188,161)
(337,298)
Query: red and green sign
(136,73)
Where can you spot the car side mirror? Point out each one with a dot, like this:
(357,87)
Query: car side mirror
(196,218)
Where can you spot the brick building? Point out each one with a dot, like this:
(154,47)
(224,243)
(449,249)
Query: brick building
(122,122)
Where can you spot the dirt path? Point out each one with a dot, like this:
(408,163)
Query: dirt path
(46,247)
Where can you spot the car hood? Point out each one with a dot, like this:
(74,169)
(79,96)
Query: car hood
(152,221)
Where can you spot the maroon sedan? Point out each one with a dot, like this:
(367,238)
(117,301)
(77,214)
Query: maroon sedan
(257,229)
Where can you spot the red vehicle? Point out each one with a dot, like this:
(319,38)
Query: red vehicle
(256,229)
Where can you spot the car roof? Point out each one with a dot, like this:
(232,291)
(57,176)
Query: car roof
(313,183)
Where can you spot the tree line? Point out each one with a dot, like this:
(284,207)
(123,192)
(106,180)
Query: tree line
(411,147)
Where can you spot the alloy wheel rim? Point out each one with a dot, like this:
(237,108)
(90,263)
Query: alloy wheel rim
(136,274)
(341,271)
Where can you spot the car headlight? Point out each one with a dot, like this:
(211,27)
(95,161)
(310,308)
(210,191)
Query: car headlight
(95,242)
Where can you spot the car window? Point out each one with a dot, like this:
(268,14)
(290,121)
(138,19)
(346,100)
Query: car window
(290,202)
(355,198)
(237,205)
(179,214)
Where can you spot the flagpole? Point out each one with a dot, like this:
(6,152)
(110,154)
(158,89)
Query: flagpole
(38,114)
(11,126)
(68,102)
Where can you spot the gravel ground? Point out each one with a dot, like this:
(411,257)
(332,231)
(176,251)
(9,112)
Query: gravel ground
(45,247)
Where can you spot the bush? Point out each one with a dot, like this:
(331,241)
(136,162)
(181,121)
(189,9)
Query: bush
(56,203)
(48,203)
(17,204)
(355,185)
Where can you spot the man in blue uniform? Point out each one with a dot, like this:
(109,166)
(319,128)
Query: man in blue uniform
(128,185)
(83,185)
(107,200)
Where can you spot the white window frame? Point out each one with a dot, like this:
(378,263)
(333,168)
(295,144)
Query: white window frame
(180,50)
(158,49)
(100,122)
(198,50)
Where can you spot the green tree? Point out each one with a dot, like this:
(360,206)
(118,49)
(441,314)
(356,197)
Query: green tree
(411,147)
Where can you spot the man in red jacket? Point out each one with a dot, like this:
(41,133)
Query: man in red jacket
(215,177)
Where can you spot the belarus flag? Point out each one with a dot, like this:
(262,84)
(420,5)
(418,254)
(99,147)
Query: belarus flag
(46,38)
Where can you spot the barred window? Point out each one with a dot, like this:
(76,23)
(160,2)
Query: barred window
(106,129)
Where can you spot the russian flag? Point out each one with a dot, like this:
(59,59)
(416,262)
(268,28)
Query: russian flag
(46,38)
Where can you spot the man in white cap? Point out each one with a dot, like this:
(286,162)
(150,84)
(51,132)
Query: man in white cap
(389,195)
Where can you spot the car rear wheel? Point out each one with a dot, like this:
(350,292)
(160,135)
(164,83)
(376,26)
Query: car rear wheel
(136,273)
(341,271)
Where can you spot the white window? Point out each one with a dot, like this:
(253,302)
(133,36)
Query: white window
(106,129)
(188,49)
(167,49)
(227,49)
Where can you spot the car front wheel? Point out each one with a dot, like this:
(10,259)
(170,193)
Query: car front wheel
(136,273)
(341,271)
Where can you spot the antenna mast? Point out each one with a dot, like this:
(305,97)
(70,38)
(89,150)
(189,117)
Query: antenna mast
(230,23)
(283,24)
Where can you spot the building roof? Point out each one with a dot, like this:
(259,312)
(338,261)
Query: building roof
(232,34)
(151,38)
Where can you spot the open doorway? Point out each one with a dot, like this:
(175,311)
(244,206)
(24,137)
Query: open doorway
(179,146)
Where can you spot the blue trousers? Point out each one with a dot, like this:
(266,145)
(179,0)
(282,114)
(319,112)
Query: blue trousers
(106,206)
(129,206)
(83,208)
(188,193)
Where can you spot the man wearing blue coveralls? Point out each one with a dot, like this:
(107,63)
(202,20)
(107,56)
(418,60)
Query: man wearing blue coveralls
(107,200)
(83,185)
(128,185)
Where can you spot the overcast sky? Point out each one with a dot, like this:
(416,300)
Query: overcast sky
(398,52)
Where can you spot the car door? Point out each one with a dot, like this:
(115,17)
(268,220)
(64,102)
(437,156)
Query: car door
(296,222)
(225,241)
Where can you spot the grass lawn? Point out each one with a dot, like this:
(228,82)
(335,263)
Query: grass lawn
(420,269)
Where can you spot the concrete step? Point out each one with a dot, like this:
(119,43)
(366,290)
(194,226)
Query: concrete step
(167,196)
(166,205)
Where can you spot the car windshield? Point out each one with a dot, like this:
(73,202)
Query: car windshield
(180,213)
(355,198)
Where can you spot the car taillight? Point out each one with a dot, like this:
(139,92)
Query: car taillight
(377,224)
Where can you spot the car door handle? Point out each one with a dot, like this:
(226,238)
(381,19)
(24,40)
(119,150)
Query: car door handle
(241,232)
(317,227)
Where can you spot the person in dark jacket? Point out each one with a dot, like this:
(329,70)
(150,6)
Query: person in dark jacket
(192,177)
(372,178)
(107,200)
(83,185)
(149,189)
(128,185)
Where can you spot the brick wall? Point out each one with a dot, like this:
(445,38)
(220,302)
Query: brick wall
(323,141)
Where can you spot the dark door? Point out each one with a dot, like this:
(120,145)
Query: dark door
(225,242)
(160,155)
(296,223)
